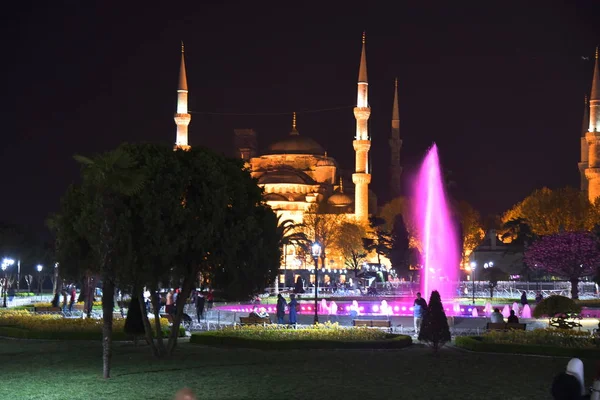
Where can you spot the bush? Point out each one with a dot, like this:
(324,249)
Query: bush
(548,336)
(553,305)
(54,326)
(322,336)
(474,343)
(434,328)
(24,294)
(134,325)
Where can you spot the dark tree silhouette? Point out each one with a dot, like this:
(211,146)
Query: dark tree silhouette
(399,253)
(134,325)
(434,328)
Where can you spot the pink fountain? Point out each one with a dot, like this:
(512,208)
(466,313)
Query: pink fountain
(441,257)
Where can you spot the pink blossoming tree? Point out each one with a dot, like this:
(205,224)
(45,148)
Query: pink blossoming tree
(569,255)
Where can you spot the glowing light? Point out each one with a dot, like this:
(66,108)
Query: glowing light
(375,308)
(438,233)
(396,308)
(303,308)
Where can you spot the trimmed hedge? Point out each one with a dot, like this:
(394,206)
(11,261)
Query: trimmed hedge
(216,339)
(475,343)
(22,333)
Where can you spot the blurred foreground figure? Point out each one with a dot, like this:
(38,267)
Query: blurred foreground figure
(185,394)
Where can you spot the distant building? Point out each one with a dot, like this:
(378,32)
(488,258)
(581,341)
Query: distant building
(507,257)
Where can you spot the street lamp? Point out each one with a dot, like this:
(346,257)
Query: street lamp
(473,266)
(5,264)
(316,252)
(39,270)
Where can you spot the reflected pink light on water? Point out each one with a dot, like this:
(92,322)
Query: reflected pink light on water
(437,232)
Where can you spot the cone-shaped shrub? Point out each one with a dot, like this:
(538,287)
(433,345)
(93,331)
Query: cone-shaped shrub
(434,327)
(134,324)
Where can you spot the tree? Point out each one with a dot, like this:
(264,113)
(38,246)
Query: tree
(569,255)
(400,248)
(107,179)
(322,228)
(471,229)
(549,211)
(434,328)
(350,244)
(401,206)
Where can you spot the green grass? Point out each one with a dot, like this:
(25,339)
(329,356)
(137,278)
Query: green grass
(58,370)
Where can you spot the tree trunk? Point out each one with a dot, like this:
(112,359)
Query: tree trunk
(83,293)
(156,306)
(575,288)
(108,300)
(147,326)
(181,300)
(491,292)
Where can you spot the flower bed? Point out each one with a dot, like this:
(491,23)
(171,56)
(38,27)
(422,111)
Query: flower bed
(551,342)
(26,325)
(320,336)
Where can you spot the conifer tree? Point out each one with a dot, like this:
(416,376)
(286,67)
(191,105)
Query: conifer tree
(134,325)
(434,328)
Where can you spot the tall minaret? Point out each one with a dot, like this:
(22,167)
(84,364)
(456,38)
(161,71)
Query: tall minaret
(182,117)
(584,146)
(362,142)
(395,146)
(592,173)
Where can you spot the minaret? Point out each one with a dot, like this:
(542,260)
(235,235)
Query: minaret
(584,146)
(362,142)
(182,117)
(592,173)
(395,146)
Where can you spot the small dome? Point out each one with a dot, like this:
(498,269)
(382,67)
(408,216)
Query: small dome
(326,162)
(339,200)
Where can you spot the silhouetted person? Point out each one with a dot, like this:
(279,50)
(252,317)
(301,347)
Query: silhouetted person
(293,311)
(496,317)
(512,318)
(566,387)
(524,299)
(419,308)
(281,303)
(199,305)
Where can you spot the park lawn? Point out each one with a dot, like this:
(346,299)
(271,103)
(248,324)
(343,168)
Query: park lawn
(58,370)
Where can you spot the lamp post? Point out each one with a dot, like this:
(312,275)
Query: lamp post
(39,270)
(5,264)
(473,266)
(316,252)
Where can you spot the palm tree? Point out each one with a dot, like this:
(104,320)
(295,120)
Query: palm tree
(106,180)
(289,234)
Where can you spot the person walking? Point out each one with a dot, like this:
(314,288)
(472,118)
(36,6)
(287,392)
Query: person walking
(293,311)
(281,303)
(199,306)
(419,308)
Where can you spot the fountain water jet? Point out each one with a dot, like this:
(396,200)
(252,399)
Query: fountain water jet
(437,232)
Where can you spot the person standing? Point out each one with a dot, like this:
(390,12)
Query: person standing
(281,303)
(73,297)
(210,298)
(169,303)
(523,298)
(419,308)
(293,311)
(199,305)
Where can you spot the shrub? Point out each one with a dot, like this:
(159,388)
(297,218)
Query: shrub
(548,336)
(54,326)
(553,305)
(434,328)
(272,337)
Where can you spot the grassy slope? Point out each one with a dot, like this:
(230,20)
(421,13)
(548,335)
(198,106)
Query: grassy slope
(59,370)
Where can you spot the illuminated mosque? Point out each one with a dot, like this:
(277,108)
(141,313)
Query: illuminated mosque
(297,174)
(589,166)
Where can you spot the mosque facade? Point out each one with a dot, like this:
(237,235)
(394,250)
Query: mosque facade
(297,174)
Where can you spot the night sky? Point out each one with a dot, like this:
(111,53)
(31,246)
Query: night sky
(498,87)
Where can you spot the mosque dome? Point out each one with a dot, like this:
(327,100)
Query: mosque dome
(339,200)
(296,144)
